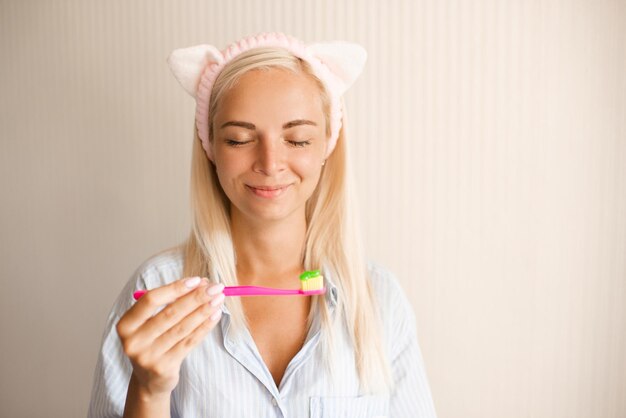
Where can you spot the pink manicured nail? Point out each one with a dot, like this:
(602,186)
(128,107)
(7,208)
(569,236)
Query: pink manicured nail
(218,299)
(216,315)
(215,289)
(193,282)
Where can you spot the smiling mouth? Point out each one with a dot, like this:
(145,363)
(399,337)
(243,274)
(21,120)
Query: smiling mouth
(268,191)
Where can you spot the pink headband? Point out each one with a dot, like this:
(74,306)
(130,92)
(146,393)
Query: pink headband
(337,64)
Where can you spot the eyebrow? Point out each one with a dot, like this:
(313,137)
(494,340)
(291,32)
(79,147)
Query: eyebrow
(251,126)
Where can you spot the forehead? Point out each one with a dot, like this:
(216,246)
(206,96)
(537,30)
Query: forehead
(272,94)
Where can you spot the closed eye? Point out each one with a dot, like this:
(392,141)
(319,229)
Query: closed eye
(233,143)
(300,143)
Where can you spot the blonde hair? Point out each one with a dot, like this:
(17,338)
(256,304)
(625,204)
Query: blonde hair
(332,238)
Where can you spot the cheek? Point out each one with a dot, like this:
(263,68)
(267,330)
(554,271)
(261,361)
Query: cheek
(228,159)
(227,170)
(308,168)
(309,163)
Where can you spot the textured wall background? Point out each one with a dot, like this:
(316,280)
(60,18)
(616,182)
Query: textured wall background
(489,142)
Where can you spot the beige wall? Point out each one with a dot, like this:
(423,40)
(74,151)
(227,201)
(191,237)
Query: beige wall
(490,149)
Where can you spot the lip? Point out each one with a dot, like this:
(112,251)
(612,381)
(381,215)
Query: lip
(268,191)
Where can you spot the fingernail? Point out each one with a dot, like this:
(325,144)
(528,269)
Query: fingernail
(215,289)
(217,299)
(216,315)
(193,282)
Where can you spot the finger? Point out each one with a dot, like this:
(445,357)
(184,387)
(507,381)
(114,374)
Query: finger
(179,351)
(187,326)
(144,309)
(175,312)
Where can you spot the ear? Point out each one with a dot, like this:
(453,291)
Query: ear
(187,64)
(345,60)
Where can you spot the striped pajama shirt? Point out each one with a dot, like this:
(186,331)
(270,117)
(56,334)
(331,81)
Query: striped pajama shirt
(225,376)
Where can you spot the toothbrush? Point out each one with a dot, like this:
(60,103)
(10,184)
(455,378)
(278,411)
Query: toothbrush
(311,283)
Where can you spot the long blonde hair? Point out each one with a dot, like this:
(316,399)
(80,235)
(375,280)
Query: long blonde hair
(332,237)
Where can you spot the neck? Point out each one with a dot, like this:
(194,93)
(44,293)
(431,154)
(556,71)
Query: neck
(268,253)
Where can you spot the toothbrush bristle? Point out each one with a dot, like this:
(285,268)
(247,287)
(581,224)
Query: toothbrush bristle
(312,281)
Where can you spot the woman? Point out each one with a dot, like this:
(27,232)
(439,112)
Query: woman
(270,195)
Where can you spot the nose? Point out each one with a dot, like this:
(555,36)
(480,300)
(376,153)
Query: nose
(270,158)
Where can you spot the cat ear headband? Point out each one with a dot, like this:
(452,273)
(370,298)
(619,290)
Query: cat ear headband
(337,64)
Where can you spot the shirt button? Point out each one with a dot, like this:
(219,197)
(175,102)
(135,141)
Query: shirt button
(274,402)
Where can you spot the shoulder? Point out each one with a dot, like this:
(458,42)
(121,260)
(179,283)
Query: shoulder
(161,268)
(385,285)
(156,270)
(396,312)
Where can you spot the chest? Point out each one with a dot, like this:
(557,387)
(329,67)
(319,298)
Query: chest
(278,326)
(222,379)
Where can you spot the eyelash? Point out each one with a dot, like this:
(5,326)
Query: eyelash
(298,144)
(233,143)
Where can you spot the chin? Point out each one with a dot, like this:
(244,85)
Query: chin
(271,213)
(269,216)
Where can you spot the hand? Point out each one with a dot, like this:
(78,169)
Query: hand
(157,344)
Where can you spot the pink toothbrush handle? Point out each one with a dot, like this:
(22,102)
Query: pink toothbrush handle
(254,291)
(139,293)
(267,291)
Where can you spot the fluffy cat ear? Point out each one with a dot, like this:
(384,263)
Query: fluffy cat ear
(345,60)
(187,64)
